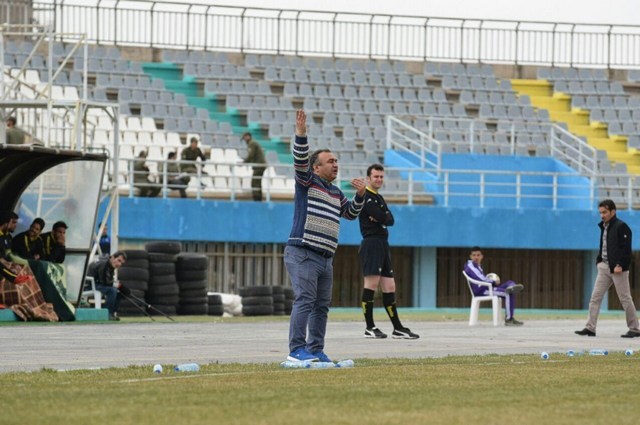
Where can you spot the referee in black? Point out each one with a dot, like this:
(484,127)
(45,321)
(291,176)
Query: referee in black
(375,257)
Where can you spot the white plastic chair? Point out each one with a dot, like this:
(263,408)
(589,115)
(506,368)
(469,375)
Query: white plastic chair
(496,301)
(90,290)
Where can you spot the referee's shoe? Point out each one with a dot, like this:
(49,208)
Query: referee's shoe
(404,333)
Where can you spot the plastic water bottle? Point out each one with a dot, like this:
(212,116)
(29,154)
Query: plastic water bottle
(571,353)
(187,367)
(345,363)
(287,364)
(598,352)
(322,365)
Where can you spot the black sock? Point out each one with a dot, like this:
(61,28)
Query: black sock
(389,302)
(367,306)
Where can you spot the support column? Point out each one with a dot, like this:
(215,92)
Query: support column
(424,277)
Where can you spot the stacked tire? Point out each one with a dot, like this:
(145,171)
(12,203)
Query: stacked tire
(191,273)
(278,300)
(163,293)
(257,300)
(214,305)
(134,274)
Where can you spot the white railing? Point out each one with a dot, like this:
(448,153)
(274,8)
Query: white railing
(573,151)
(205,26)
(405,138)
(476,188)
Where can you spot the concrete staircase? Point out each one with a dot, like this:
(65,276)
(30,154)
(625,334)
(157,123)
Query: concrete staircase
(577,120)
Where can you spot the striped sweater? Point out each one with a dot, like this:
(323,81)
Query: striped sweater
(318,205)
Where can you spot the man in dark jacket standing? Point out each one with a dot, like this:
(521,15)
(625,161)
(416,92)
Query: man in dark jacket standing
(613,268)
(255,156)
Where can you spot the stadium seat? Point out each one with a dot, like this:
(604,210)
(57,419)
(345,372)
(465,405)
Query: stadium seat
(496,301)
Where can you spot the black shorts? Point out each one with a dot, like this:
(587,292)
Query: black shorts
(375,257)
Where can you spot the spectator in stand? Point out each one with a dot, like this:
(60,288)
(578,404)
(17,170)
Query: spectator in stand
(175,179)
(29,245)
(55,243)
(255,155)
(191,154)
(15,136)
(141,177)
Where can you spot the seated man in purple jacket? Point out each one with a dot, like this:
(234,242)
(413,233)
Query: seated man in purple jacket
(473,269)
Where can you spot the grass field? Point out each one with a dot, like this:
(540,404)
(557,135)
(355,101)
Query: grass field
(513,389)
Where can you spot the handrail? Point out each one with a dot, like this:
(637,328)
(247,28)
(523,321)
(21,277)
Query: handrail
(302,32)
(402,136)
(481,188)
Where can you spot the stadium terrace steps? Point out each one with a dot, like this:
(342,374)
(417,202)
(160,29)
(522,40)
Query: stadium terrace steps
(577,120)
(176,81)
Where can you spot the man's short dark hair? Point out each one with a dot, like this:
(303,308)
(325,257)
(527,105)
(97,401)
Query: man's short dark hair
(194,140)
(119,254)
(377,167)
(12,120)
(475,248)
(608,204)
(39,221)
(59,224)
(313,159)
(247,134)
(5,216)
(171,155)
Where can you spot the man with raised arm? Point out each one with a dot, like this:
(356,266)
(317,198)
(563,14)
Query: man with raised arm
(308,256)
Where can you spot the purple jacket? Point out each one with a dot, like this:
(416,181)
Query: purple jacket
(474,271)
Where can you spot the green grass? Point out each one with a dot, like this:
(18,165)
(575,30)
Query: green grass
(512,389)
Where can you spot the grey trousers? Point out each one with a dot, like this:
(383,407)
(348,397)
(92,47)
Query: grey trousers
(604,280)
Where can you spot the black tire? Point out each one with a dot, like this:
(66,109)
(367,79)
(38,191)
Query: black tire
(192,293)
(276,290)
(278,298)
(192,262)
(165,247)
(133,273)
(288,304)
(278,306)
(161,258)
(255,291)
(192,300)
(279,313)
(185,275)
(136,263)
(189,285)
(163,290)
(265,300)
(139,285)
(193,309)
(162,299)
(257,310)
(136,254)
(162,269)
(215,310)
(137,293)
(214,299)
(169,310)
(162,280)
(288,293)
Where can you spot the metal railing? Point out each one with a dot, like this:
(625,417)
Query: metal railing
(281,31)
(441,187)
